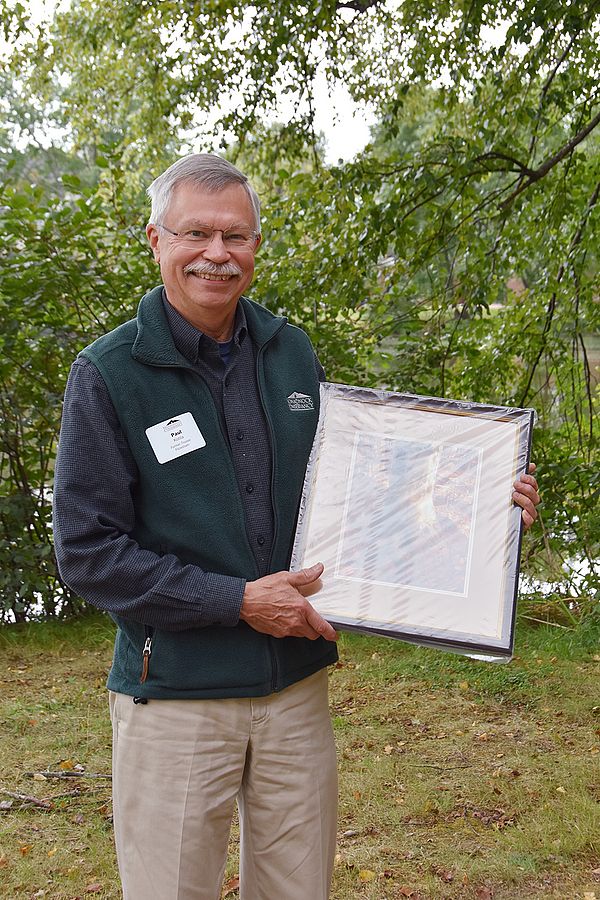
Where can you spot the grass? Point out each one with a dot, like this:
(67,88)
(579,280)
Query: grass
(459,779)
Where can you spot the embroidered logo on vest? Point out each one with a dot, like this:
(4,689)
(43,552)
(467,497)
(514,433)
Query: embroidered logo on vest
(298,401)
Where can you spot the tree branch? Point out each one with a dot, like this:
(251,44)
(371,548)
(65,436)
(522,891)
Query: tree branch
(550,310)
(496,154)
(541,171)
(546,88)
(359,6)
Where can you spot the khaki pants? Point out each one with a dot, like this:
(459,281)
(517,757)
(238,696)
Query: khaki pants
(180,765)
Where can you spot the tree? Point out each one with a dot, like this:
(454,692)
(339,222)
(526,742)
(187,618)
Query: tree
(70,267)
(457,255)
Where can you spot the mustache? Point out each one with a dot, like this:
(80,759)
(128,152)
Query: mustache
(209,268)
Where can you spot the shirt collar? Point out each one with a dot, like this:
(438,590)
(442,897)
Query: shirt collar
(193,343)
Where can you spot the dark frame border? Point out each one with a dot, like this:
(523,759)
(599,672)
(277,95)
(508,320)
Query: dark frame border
(523,417)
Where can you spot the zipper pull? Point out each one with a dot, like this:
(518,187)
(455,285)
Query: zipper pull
(146,653)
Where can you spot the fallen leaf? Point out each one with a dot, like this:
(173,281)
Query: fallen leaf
(388,749)
(6,804)
(67,765)
(3,862)
(24,850)
(561,790)
(445,874)
(484,893)
(53,852)
(366,875)
(463,685)
(39,777)
(79,819)
(589,895)
(231,885)
(406,892)
(94,888)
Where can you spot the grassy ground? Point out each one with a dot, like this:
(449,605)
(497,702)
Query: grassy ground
(459,779)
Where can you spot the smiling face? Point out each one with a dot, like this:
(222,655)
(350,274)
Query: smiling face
(205,284)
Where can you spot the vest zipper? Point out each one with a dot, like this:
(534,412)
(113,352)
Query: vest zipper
(146,654)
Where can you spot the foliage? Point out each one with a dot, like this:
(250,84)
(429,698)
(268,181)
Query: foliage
(51,301)
(457,255)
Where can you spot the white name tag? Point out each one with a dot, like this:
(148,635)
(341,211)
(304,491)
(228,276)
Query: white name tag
(175,437)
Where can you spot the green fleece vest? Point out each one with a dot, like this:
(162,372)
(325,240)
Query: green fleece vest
(190,506)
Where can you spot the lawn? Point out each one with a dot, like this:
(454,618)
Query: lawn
(459,779)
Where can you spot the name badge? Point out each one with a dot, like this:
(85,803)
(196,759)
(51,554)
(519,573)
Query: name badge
(175,437)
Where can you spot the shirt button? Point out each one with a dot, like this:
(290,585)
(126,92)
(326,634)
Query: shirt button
(239,434)
(260,540)
(249,487)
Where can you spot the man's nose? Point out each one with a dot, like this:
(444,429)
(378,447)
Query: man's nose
(216,250)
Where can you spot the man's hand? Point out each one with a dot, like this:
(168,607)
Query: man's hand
(276,605)
(526,496)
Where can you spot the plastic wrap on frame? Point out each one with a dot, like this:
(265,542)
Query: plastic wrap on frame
(407,501)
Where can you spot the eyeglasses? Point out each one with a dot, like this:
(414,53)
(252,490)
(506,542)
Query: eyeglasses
(233,238)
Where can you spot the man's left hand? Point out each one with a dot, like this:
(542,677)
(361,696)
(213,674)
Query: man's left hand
(526,496)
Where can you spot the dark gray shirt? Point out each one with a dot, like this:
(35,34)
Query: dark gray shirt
(95,482)
(235,394)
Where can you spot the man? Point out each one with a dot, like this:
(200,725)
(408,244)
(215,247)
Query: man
(178,478)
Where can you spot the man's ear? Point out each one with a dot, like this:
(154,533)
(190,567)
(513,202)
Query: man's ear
(152,235)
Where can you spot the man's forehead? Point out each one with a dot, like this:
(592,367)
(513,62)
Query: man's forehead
(197,202)
(191,191)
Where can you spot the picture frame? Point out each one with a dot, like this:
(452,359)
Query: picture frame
(407,502)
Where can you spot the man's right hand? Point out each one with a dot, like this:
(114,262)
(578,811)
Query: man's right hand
(276,605)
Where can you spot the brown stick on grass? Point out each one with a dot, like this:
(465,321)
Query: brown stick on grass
(27,798)
(68,774)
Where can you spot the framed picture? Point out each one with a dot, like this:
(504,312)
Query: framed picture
(408,503)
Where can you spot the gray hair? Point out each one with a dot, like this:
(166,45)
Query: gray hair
(204,170)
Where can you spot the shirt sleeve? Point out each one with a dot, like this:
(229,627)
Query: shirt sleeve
(94,514)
